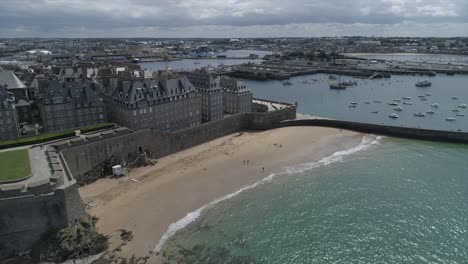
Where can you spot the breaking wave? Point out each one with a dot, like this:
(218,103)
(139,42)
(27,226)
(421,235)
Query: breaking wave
(367,141)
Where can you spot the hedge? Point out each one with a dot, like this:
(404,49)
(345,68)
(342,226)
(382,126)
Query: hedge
(46,137)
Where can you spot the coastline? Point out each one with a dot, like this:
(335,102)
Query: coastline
(150,199)
(400,54)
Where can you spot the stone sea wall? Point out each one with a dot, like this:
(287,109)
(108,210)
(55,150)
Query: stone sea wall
(24,220)
(91,161)
(395,131)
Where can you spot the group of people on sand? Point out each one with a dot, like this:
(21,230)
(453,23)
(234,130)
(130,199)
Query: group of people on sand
(246,162)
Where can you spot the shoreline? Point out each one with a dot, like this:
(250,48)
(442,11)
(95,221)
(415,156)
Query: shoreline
(402,54)
(151,199)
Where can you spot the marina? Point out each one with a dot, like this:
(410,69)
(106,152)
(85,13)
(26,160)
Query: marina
(437,101)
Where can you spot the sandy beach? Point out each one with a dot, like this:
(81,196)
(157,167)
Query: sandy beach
(151,198)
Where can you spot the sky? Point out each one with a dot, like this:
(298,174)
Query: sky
(233,18)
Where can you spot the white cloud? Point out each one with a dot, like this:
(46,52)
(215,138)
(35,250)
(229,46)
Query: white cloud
(126,17)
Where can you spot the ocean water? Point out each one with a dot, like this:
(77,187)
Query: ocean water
(385,201)
(314,96)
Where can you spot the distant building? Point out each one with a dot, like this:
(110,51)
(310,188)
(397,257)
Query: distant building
(14,85)
(368,43)
(70,105)
(212,95)
(164,105)
(39,84)
(8,120)
(237,98)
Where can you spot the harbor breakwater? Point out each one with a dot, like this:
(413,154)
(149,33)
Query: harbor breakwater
(394,131)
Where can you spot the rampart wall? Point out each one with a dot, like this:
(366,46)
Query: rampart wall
(404,132)
(23,220)
(90,161)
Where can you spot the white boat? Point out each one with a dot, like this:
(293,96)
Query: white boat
(394,116)
(406,98)
(420,114)
(423,99)
(396,100)
(377,101)
(407,103)
(463,106)
(435,105)
(456,110)
(375,112)
(398,108)
(450,119)
(430,112)
(353,103)
(394,104)
(460,114)
(367,102)
(421,96)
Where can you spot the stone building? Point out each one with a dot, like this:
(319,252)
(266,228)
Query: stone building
(237,98)
(212,95)
(14,85)
(165,105)
(8,119)
(70,105)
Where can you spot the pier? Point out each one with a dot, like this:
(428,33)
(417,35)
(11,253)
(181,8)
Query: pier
(385,130)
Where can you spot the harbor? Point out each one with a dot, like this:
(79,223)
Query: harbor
(375,101)
(350,67)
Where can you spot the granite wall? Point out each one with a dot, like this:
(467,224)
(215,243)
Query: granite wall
(93,160)
(403,132)
(24,220)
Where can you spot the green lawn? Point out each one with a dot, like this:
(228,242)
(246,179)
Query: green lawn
(14,165)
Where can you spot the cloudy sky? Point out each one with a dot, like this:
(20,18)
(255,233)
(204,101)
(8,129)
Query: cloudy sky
(232,18)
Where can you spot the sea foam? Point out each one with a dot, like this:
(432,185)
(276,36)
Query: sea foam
(367,141)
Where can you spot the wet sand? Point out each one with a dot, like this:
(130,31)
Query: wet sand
(151,198)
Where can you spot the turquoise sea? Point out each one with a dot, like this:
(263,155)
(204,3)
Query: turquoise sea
(387,200)
(393,201)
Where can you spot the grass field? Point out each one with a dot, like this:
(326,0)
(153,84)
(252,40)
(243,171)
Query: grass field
(14,165)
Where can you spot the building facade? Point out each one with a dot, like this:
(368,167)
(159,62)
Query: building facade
(70,105)
(212,95)
(237,98)
(8,119)
(165,105)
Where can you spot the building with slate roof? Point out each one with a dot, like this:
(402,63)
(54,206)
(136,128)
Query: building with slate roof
(237,98)
(8,119)
(164,105)
(212,95)
(14,85)
(70,105)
